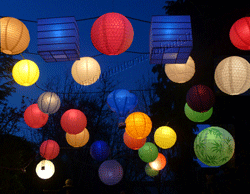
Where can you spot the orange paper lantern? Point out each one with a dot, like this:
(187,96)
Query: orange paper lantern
(159,163)
(133,143)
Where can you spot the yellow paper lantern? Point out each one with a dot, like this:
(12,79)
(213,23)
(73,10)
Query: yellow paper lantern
(180,73)
(15,36)
(165,137)
(86,71)
(138,125)
(78,140)
(232,75)
(45,169)
(25,72)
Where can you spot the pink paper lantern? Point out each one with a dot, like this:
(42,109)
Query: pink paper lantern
(49,149)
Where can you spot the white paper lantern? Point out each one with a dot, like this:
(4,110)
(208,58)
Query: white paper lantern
(49,102)
(45,169)
(180,73)
(86,71)
(232,75)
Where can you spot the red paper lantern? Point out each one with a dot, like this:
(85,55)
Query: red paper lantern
(49,149)
(73,121)
(112,34)
(240,33)
(200,98)
(34,117)
(133,143)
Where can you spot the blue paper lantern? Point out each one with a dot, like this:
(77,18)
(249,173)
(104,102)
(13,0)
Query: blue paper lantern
(99,150)
(58,39)
(122,102)
(170,39)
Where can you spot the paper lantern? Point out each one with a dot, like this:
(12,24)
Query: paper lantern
(112,34)
(49,149)
(14,36)
(197,116)
(58,39)
(86,71)
(151,172)
(78,140)
(122,102)
(138,125)
(165,137)
(45,169)
(170,39)
(99,150)
(73,121)
(49,102)
(110,172)
(232,75)
(240,33)
(200,98)
(159,163)
(148,152)
(180,73)
(25,72)
(133,143)
(214,146)
(34,117)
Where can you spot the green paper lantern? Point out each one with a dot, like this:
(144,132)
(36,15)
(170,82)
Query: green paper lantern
(214,146)
(148,152)
(151,172)
(197,116)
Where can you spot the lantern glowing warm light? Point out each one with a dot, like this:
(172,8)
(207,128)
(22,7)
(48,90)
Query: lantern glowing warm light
(45,169)
(159,163)
(14,37)
(151,172)
(197,116)
(78,140)
(34,117)
(180,73)
(133,143)
(232,75)
(25,72)
(165,137)
(49,102)
(86,71)
(49,149)
(138,125)
(214,146)
(112,34)
(148,152)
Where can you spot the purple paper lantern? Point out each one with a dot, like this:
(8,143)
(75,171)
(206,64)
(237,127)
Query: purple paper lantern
(110,172)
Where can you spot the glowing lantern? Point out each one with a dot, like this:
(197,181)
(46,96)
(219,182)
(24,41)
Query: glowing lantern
(110,172)
(122,102)
(232,75)
(148,152)
(165,137)
(133,143)
(86,71)
(78,140)
(112,34)
(45,169)
(159,163)
(25,72)
(240,33)
(49,102)
(151,172)
(14,37)
(138,125)
(73,121)
(214,146)
(99,150)
(49,149)
(34,117)
(200,98)
(197,116)
(180,73)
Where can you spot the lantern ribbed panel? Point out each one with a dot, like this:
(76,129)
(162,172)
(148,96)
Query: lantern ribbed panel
(148,152)
(232,75)
(45,169)
(180,73)
(86,71)
(49,149)
(49,102)
(112,34)
(165,137)
(133,143)
(15,36)
(78,140)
